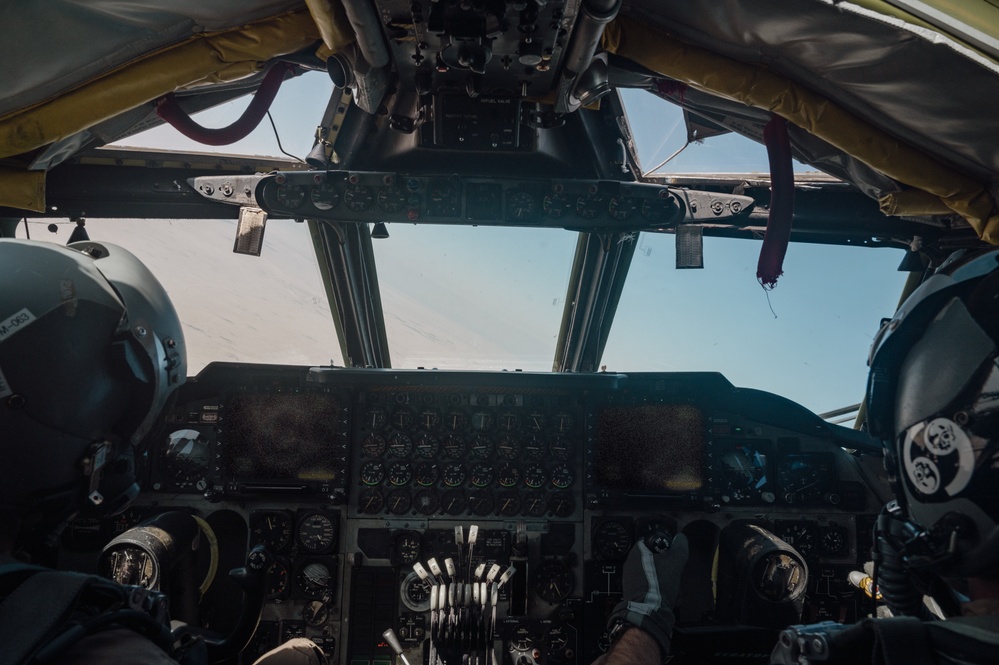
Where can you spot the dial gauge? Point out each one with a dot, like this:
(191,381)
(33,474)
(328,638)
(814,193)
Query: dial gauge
(481,503)
(508,422)
(482,475)
(456,421)
(325,196)
(561,504)
(508,504)
(555,205)
(481,447)
(535,447)
(560,448)
(372,472)
(535,504)
(370,502)
(555,581)
(398,502)
(277,579)
(188,456)
(483,421)
(835,541)
(426,445)
(314,580)
(316,533)
(272,528)
(400,473)
(430,419)
(507,447)
(415,593)
(425,502)
(315,613)
(453,446)
(802,536)
(373,445)
(375,418)
(562,476)
(661,210)
(392,199)
(405,548)
(521,205)
(536,422)
(290,198)
(622,207)
(562,423)
(358,198)
(557,638)
(399,444)
(589,206)
(508,475)
(453,502)
(611,540)
(403,418)
(426,474)
(535,476)
(453,474)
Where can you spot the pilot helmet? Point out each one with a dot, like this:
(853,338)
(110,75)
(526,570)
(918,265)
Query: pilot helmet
(933,399)
(90,350)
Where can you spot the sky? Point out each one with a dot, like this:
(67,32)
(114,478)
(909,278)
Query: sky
(492,298)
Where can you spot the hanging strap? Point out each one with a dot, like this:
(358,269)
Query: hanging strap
(778,235)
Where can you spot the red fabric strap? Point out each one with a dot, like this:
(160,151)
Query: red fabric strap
(168,109)
(778,235)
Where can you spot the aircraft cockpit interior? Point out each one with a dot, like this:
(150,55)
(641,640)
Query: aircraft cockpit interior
(407,508)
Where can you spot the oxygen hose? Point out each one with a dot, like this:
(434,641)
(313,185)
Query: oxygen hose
(891,575)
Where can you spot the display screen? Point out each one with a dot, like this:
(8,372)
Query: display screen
(280,437)
(653,448)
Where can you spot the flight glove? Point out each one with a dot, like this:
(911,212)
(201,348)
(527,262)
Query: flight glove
(651,583)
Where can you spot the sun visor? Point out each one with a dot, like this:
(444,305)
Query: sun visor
(201,59)
(762,88)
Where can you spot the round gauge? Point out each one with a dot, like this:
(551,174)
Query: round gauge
(835,541)
(277,579)
(324,196)
(535,504)
(442,195)
(358,198)
(589,206)
(429,419)
(483,421)
(508,504)
(562,423)
(375,418)
(316,533)
(290,198)
(554,581)
(455,421)
(392,199)
(315,613)
(314,580)
(425,502)
(453,502)
(481,503)
(400,473)
(453,446)
(744,473)
(535,476)
(561,504)
(611,540)
(481,447)
(403,418)
(398,502)
(426,474)
(521,205)
(536,422)
(399,444)
(560,448)
(272,528)
(661,210)
(507,447)
(482,475)
(373,445)
(406,548)
(535,447)
(508,422)
(415,593)
(521,639)
(453,474)
(557,638)
(372,473)
(562,476)
(622,207)
(555,205)
(370,502)
(426,445)
(188,456)
(508,475)
(657,532)
(801,536)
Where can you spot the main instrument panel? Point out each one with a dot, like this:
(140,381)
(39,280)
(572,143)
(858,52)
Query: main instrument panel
(358,480)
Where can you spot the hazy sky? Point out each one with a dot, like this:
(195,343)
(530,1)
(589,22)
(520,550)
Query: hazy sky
(492,297)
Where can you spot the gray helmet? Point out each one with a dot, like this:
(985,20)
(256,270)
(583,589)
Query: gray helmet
(933,399)
(90,350)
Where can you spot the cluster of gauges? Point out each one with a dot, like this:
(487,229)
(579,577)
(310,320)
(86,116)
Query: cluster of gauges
(612,537)
(304,564)
(750,475)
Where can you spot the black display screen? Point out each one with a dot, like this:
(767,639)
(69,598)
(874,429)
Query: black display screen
(289,437)
(652,448)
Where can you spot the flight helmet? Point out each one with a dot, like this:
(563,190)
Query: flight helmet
(933,399)
(90,350)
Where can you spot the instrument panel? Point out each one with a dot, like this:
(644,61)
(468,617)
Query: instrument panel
(357,479)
